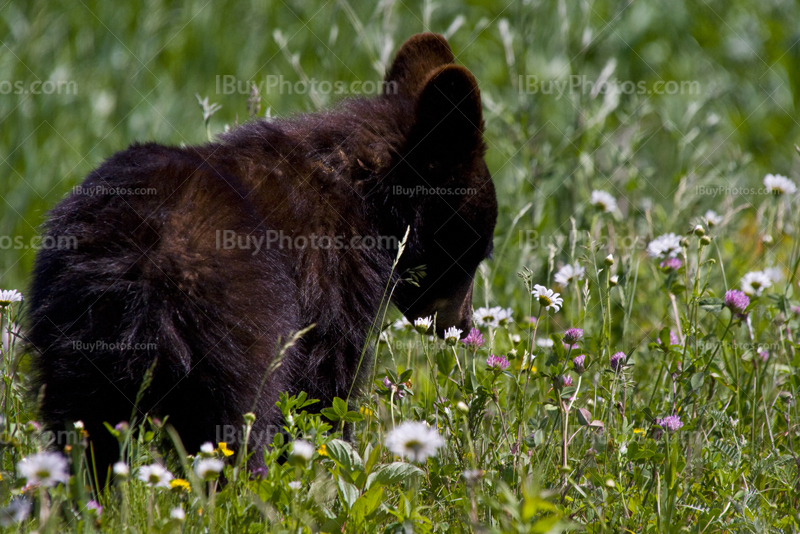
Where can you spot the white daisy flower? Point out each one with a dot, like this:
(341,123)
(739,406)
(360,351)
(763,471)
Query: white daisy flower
(303,450)
(207,448)
(544,342)
(778,184)
(569,273)
(711,218)
(177,513)
(9,296)
(155,475)
(775,274)
(121,470)
(17,511)
(487,317)
(754,282)
(547,297)
(413,440)
(402,324)
(504,316)
(603,201)
(295,485)
(452,335)
(664,246)
(44,469)
(423,324)
(208,468)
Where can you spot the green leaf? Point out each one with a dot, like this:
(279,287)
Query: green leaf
(348,493)
(396,472)
(340,406)
(367,504)
(584,416)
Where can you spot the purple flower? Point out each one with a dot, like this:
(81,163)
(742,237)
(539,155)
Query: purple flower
(572,335)
(737,301)
(566,380)
(671,264)
(94,506)
(498,363)
(796,310)
(615,360)
(670,423)
(763,354)
(673,339)
(570,347)
(579,363)
(533,320)
(474,339)
(399,393)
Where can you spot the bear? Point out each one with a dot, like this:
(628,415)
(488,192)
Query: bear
(194,265)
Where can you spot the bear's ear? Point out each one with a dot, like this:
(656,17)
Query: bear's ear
(415,60)
(449,120)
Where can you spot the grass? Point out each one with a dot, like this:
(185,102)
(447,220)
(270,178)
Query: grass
(524,451)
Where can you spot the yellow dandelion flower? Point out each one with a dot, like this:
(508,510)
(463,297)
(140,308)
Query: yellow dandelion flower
(365,411)
(179,484)
(323,450)
(638,430)
(223,448)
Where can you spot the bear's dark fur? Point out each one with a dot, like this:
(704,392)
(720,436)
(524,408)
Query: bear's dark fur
(152,281)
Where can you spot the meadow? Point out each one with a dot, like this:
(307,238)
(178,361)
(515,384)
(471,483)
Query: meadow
(633,365)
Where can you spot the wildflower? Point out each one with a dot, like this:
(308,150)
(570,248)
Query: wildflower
(44,469)
(121,470)
(423,324)
(122,427)
(775,274)
(498,363)
(323,450)
(295,485)
(533,320)
(9,296)
(487,317)
(737,301)
(567,347)
(579,363)
(544,342)
(398,391)
(413,440)
(155,475)
(795,310)
(547,297)
(670,423)
(207,449)
(664,246)
(223,448)
(179,484)
(603,201)
(566,380)
(712,219)
(673,339)
(671,264)
(755,282)
(569,273)
(573,335)
(402,324)
(365,411)
(208,468)
(473,340)
(178,514)
(17,511)
(515,338)
(763,354)
(452,335)
(303,450)
(616,360)
(779,184)
(94,508)
(504,316)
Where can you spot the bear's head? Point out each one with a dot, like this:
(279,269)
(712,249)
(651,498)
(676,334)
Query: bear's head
(442,182)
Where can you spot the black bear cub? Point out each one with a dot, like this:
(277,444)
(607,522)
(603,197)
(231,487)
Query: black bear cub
(200,262)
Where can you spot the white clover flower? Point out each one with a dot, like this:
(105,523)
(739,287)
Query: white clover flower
(754,282)
(177,513)
(295,485)
(547,297)
(207,448)
(569,273)
(303,450)
(544,342)
(775,274)
(603,201)
(155,475)
(208,468)
(44,469)
(121,469)
(515,338)
(423,324)
(413,440)
(711,218)
(664,246)
(402,324)
(9,296)
(452,335)
(778,184)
